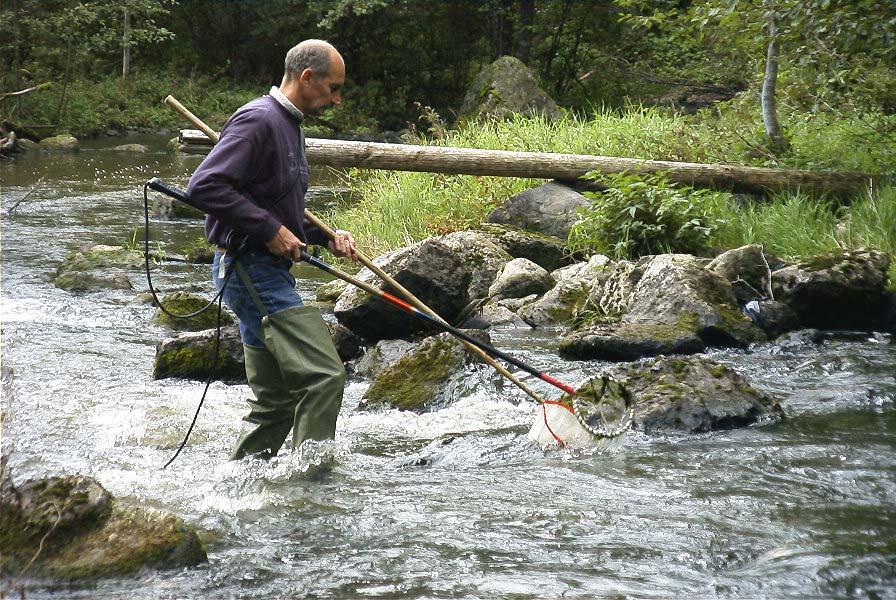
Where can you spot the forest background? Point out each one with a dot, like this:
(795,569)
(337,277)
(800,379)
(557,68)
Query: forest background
(784,83)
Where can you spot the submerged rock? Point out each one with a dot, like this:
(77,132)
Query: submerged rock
(75,529)
(60,143)
(692,395)
(140,148)
(419,380)
(183,303)
(98,267)
(191,356)
(840,290)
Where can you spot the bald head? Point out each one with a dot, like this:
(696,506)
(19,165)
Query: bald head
(316,55)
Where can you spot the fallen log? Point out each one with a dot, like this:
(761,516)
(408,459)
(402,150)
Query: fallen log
(543,165)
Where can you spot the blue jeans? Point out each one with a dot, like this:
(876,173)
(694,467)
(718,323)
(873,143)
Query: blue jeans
(275,285)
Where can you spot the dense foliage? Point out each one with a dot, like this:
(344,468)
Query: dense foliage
(835,55)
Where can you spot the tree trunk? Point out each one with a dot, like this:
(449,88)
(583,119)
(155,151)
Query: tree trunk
(60,113)
(503,28)
(524,32)
(769,83)
(126,45)
(555,42)
(542,165)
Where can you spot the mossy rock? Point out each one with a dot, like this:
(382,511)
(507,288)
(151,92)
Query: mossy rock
(97,268)
(692,395)
(182,303)
(77,530)
(507,87)
(418,380)
(631,341)
(546,251)
(139,148)
(330,291)
(60,143)
(190,356)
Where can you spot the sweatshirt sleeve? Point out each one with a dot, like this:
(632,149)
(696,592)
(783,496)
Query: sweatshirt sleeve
(215,187)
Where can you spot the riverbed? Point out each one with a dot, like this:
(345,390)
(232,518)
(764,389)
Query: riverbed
(453,503)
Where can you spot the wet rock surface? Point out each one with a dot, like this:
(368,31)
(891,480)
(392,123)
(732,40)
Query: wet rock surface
(97,268)
(841,290)
(420,379)
(183,303)
(72,528)
(191,356)
(692,394)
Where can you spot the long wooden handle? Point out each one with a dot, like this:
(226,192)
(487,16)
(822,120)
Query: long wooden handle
(212,135)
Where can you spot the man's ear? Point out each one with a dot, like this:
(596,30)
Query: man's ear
(306,75)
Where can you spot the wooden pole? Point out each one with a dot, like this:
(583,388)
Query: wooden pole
(544,165)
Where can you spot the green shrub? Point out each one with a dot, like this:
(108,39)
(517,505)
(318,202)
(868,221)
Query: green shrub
(644,214)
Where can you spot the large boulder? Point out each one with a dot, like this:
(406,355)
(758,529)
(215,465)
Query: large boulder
(421,379)
(72,528)
(481,253)
(840,290)
(676,306)
(546,251)
(576,284)
(692,395)
(549,209)
(429,270)
(747,269)
(191,356)
(507,87)
(520,278)
(60,143)
(98,267)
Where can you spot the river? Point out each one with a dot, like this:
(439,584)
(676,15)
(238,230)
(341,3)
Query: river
(453,503)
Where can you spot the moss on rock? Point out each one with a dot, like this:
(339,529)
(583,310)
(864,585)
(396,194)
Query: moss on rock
(182,303)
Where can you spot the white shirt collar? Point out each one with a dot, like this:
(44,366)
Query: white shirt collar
(280,97)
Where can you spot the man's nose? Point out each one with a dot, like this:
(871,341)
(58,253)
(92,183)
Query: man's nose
(337,98)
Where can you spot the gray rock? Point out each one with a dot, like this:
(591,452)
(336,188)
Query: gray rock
(775,318)
(520,278)
(493,315)
(841,290)
(421,379)
(747,269)
(348,345)
(330,291)
(577,284)
(546,251)
(481,253)
(71,528)
(131,148)
(381,355)
(60,143)
(549,209)
(616,293)
(692,395)
(27,145)
(191,356)
(429,270)
(504,88)
(676,306)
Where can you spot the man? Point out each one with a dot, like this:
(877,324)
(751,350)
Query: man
(252,185)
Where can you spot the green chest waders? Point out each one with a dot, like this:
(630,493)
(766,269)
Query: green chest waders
(297,379)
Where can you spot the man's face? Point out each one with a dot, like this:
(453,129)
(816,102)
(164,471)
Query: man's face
(322,91)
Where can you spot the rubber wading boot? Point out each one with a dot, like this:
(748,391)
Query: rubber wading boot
(310,368)
(272,410)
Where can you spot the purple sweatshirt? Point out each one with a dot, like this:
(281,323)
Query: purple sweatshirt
(255,178)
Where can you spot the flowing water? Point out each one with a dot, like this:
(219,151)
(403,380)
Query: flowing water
(453,503)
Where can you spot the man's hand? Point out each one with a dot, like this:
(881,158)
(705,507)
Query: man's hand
(287,245)
(343,245)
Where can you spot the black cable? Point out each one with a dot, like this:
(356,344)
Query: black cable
(217,298)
